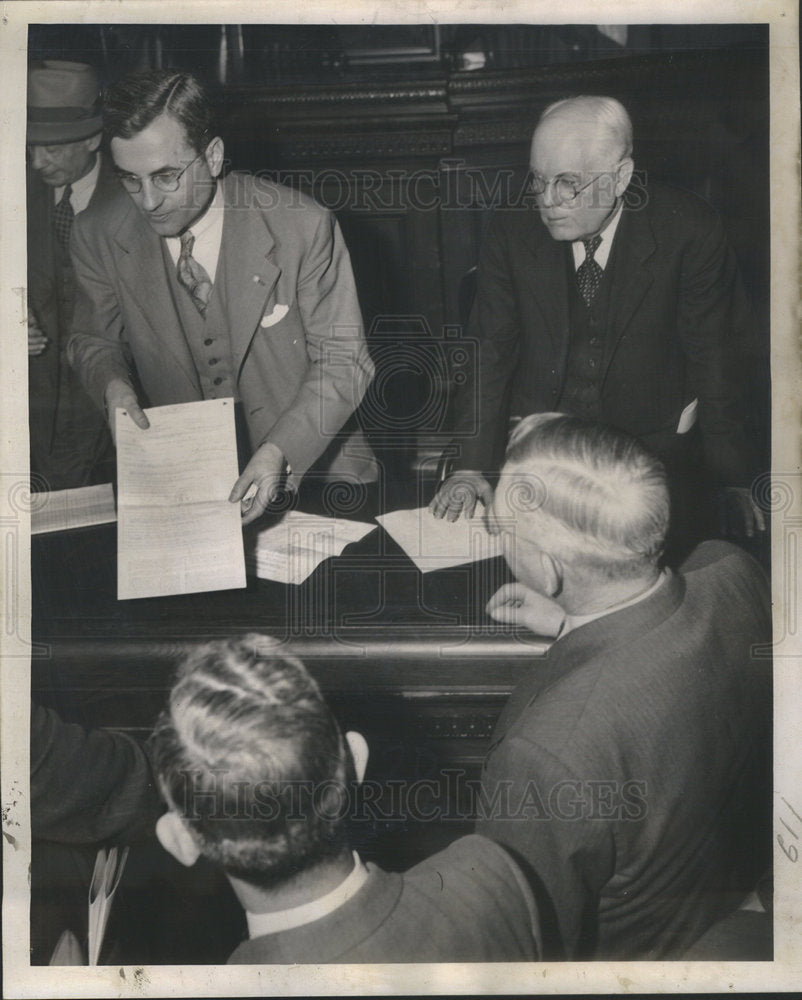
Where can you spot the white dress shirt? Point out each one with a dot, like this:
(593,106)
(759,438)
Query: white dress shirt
(82,190)
(260,924)
(603,252)
(208,233)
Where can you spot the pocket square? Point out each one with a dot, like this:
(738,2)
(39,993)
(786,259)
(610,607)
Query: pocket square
(278,314)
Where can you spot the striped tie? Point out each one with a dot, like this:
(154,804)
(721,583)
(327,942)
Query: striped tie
(589,273)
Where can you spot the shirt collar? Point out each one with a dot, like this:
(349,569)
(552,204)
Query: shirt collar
(83,189)
(603,252)
(260,924)
(576,621)
(208,233)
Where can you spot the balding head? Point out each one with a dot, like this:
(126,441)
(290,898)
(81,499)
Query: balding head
(585,142)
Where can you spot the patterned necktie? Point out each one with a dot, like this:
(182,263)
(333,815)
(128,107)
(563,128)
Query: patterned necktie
(589,273)
(63,217)
(192,275)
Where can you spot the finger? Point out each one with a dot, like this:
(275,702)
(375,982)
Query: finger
(241,486)
(760,519)
(257,504)
(136,413)
(470,505)
(438,507)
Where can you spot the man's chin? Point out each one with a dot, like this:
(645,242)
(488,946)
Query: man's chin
(560,229)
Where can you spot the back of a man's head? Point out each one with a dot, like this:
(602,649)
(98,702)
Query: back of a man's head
(134,102)
(587,494)
(251,758)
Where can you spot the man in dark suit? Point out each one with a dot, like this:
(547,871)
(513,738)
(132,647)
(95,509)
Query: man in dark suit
(630,772)
(70,445)
(260,780)
(617,302)
(192,287)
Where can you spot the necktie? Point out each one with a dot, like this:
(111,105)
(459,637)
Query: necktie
(192,275)
(63,217)
(589,273)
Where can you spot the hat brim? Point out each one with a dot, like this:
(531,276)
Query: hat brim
(55,133)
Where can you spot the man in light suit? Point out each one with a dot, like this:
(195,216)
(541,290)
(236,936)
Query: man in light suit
(630,772)
(70,445)
(260,780)
(192,287)
(619,303)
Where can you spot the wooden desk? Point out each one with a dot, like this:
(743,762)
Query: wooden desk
(409,659)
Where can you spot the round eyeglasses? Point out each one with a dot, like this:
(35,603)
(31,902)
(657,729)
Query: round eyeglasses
(163,180)
(566,188)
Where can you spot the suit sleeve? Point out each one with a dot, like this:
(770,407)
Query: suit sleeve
(482,405)
(716,331)
(88,786)
(97,349)
(532,805)
(340,368)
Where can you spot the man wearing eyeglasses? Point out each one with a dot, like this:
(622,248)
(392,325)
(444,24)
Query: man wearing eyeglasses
(194,286)
(70,444)
(616,302)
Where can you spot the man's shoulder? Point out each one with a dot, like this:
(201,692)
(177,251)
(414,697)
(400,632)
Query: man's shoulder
(667,206)
(275,201)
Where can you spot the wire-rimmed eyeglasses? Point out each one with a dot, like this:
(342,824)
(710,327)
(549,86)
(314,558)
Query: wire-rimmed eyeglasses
(164,180)
(566,188)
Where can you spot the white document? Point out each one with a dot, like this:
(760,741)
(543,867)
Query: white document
(177,532)
(78,508)
(434,543)
(292,550)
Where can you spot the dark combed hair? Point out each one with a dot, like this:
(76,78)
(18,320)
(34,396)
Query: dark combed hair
(134,102)
(249,754)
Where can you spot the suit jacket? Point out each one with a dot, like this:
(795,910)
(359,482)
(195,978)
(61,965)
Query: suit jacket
(300,378)
(69,437)
(678,325)
(88,786)
(632,768)
(469,903)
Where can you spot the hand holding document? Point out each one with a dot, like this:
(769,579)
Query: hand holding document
(178,533)
(291,550)
(434,543)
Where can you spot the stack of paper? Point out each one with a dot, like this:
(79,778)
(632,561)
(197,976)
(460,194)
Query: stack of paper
(76,508)
(292,549)
(434,543)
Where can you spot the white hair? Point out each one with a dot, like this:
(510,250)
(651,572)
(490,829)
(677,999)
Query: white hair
(608,114)
(587,494)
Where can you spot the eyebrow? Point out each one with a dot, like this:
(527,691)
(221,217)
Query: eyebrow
(160,170)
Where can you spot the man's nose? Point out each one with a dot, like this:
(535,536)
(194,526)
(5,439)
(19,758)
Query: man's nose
(549,196)
(38,157)
(150,196)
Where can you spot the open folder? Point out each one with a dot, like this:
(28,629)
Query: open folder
(177,531)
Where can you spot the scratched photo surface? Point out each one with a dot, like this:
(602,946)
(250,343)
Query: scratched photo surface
(390,297)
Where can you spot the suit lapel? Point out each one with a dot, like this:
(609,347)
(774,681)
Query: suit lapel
(250,274)
(634,244)
(544,260)
(140,264)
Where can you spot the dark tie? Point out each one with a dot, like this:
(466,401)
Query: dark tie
(62,218)
(192,275)
(589,273)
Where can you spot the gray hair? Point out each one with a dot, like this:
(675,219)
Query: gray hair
(587,494)
(607,113)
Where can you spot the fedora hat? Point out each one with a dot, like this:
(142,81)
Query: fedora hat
(63,102)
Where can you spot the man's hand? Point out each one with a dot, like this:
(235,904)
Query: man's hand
(739,515)
(260,480)
(37,338)
(120,395)
(515,604)
(459,494)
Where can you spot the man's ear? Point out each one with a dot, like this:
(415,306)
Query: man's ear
(214,154)
(93,142)
(359,751)
(176,839)
(552,574)
(623,175)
